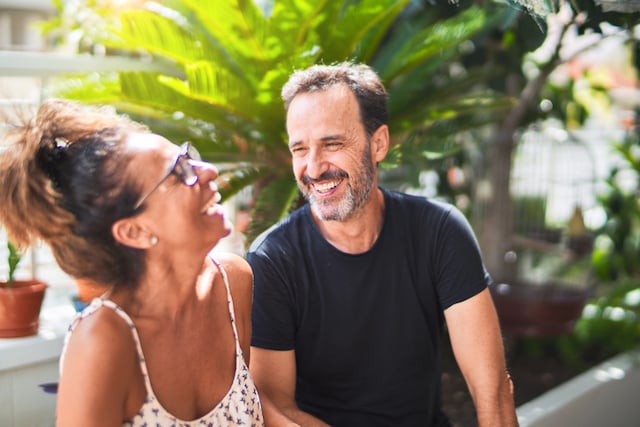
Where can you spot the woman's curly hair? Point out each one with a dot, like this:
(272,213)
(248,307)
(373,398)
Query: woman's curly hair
(63,182)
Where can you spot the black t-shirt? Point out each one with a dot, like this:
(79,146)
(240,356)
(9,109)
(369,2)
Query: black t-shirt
(366,328)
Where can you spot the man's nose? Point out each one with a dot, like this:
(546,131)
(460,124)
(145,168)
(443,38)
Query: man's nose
(316,164)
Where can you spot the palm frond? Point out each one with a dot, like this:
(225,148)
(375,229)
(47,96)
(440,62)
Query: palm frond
(170,94)
(355,23)
(453,106)
(274,202)
(235,177)
(230,59)
(238,26)
(430,42)
(370,44)
(211,83)
(438,139)
(161,36)
(294,25)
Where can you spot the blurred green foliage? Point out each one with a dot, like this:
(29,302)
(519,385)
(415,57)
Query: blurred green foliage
(225,62)
(610,323)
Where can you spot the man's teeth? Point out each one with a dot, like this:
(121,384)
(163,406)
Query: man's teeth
(322,188)
(217,197)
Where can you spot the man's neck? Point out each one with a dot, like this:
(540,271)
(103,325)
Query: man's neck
(358,233)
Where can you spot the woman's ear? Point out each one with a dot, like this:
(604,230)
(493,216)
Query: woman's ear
(128,232)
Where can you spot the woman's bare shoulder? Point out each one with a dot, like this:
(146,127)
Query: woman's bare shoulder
(98,364)
(235,266)
(102,334)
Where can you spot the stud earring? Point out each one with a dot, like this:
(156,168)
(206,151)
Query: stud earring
(153,240)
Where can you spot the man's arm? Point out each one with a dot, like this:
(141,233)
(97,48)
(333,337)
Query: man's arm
(477,345)
(274,373)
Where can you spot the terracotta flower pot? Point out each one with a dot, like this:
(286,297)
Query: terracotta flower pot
(538,310)
(20,307)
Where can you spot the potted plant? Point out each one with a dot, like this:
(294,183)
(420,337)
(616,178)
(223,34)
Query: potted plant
(20,301)
(549,293)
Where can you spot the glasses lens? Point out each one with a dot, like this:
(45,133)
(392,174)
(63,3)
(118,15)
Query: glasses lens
(191,152)
(183,169)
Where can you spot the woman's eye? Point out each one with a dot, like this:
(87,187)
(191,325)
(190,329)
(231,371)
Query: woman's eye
(174,179)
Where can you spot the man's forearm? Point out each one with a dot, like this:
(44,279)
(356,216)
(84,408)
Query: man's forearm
(287,416)
(304,419)
(499,411)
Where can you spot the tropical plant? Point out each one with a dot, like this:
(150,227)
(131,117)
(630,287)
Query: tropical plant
(528,78)
(226,61)
(610,321)
(20,300)
(617,248)
(13,259)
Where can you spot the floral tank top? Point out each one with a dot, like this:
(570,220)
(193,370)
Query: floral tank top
(239,407)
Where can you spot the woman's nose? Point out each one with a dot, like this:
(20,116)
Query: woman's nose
(206,171)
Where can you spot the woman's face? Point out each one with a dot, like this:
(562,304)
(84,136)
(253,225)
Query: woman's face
(179,194)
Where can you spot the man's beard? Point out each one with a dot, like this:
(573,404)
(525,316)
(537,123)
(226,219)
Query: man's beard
(358,189)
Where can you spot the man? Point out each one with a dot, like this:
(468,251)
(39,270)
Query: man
(353,289)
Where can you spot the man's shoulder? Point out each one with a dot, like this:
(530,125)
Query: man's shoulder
(281,233)
(396,199)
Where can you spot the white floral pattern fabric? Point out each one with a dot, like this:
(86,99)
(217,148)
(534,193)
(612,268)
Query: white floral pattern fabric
(240,406)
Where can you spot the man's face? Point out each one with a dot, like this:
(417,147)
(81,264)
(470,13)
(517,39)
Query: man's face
(332,158)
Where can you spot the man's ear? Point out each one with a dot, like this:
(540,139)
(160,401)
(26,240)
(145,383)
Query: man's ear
(128,232)
(380,143)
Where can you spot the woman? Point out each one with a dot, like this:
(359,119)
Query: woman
(168,342)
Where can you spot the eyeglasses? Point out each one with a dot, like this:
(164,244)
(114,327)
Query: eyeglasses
(181,168)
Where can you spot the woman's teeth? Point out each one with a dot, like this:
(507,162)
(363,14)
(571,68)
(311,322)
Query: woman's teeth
(211,206)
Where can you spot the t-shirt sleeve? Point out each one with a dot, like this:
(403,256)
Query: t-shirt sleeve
(460,272)
(272,318)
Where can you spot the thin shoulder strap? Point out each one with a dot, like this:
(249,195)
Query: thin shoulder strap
(232,314)
(101,302)
(134,332)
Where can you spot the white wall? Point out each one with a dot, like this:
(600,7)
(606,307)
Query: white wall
(27,362)
(606,395)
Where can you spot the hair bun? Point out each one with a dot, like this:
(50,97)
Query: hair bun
(50,158)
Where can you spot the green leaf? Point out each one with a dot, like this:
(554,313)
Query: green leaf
(13,260)
(432,41)
(237,25)
(173,95)
(275,201)
(233,179)
(162,36)
(352,27)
